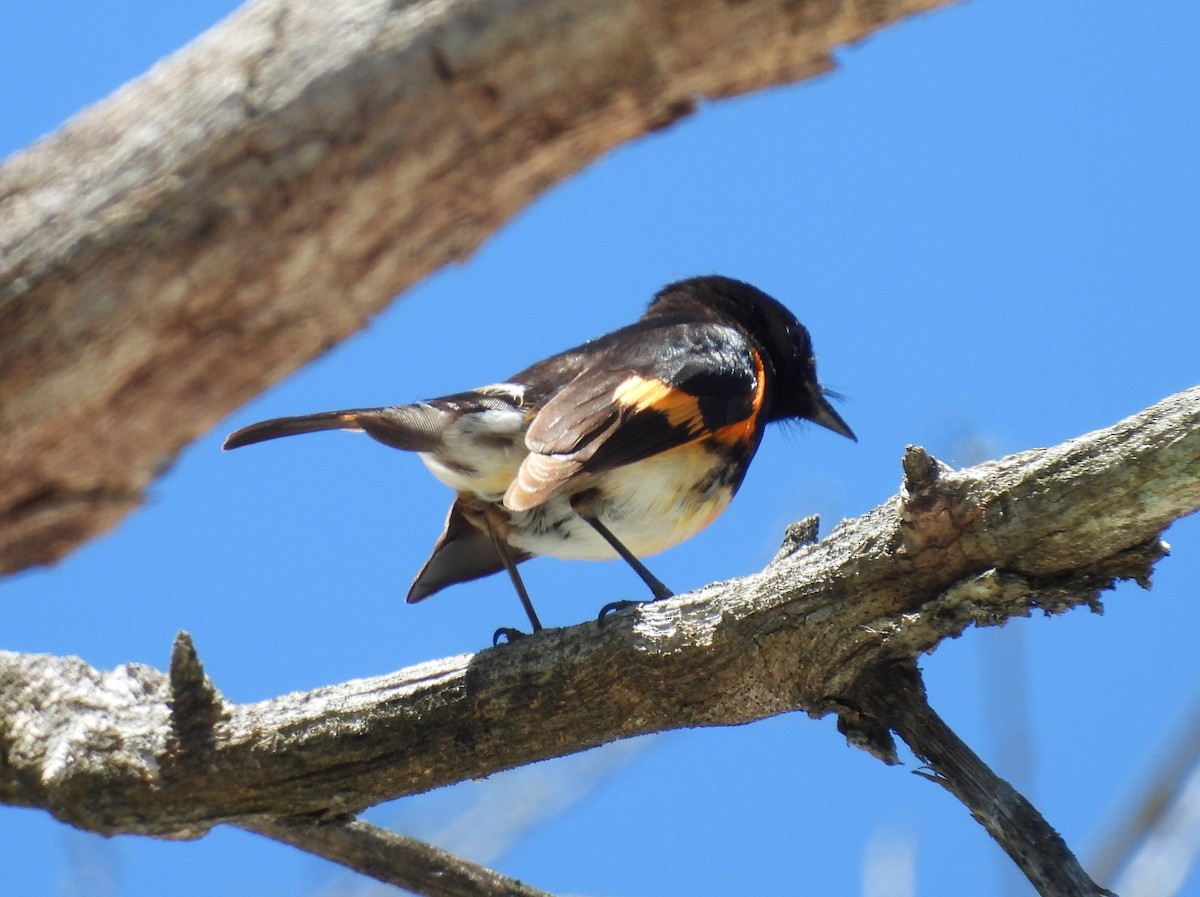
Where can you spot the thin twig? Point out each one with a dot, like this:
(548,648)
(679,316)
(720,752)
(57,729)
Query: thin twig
(394,859)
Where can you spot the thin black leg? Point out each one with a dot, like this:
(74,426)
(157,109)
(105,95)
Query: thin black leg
(518,583)
(656,587)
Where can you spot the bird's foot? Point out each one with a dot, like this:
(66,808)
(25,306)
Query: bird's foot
(660,592)
(613,606)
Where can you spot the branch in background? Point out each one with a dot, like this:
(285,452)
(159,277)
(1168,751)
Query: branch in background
(140,751)
(256,197)
(1164,860)
(1175,768)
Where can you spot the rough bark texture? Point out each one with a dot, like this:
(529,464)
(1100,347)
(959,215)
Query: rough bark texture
(829,627)
(257,196)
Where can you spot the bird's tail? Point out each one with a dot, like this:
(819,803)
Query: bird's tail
(414,428)
(290,426)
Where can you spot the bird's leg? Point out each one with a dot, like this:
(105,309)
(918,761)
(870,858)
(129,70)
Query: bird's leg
(505,558)
(583,505)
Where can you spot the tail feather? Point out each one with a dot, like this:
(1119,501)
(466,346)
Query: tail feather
(414,428)
(291,426)
(463,552)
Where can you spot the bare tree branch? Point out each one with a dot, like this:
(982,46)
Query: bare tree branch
(897,699)
(259,195)
(395,859)
(136,750)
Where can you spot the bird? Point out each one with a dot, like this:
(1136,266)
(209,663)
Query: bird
(622,446)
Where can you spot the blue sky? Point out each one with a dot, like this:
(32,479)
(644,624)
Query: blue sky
(989,219)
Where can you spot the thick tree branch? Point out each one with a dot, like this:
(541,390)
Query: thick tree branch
(260,194)
(135,750)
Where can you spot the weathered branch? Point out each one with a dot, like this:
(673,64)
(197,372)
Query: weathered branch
(135,750)
(260,194)
(895,698)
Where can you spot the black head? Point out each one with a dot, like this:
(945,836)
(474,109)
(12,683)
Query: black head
(793,389)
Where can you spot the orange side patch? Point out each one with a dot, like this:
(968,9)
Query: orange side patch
(743,430)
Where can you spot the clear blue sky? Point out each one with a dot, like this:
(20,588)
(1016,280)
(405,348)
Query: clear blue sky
(989,218)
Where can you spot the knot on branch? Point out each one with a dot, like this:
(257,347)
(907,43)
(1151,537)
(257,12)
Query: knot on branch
(196,705)
(929,507)
(797,535)
(921,471)
(864,731)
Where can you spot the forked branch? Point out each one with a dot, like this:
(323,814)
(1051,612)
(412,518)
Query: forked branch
(821,629)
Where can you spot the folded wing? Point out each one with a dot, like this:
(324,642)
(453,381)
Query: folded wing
(686,385)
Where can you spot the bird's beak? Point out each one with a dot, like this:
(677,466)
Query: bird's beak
(827,417)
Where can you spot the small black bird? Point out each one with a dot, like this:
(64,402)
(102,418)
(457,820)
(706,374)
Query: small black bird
(623,446)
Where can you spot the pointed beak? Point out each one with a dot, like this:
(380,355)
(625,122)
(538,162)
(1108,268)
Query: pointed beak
(827,417)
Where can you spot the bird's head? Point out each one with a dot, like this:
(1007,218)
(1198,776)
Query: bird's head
(793,391)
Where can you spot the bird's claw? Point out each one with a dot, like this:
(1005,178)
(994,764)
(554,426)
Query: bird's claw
(614,606)
(509,635)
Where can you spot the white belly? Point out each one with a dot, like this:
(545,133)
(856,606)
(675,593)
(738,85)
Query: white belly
(649,506)
(480,453)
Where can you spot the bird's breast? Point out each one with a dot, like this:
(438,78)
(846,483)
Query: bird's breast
(649,506)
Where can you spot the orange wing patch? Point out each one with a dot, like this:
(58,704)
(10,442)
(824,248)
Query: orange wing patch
(683,410)
(641,393)
(614,441)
